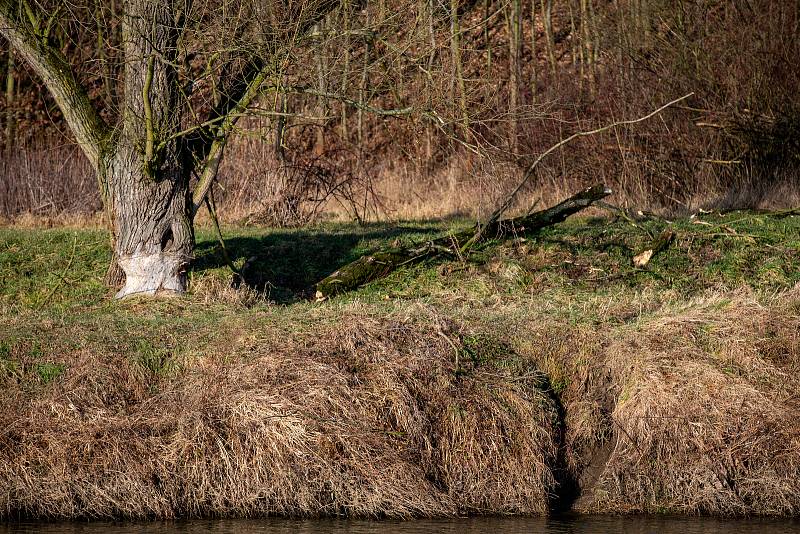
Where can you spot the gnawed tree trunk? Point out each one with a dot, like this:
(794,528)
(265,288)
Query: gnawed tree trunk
(146,179)
(153,235)
(141,173)
(144,162)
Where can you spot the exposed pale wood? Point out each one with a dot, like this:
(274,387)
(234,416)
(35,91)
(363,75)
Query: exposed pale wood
(146,173)
(145,164)
(661,242)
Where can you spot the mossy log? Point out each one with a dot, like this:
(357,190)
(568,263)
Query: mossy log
(381,263)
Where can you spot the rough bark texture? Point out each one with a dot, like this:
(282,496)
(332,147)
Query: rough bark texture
(144,162)
(153,233)
(143,178)
(146,178)
(379,264)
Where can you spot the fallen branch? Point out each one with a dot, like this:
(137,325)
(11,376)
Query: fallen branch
(381,263)
(631,215)
(531,170)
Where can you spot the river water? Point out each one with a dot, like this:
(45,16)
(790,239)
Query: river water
(559,525)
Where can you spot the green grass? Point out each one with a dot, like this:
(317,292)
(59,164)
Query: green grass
(54,301)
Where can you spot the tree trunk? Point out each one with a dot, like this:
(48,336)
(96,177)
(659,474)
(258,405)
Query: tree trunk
(515,48)
(547,22)
(153,233)
(587,45)
(458,69)
(363,89)
(534,57)
(322,86)
(146,178)
(144,162)
(11,116)
(345,68)
(280,127)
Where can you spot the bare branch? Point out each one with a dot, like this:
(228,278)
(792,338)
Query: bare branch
(217,146)
(529,173)
(52,67)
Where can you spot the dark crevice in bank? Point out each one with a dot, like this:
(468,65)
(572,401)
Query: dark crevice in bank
(567,489)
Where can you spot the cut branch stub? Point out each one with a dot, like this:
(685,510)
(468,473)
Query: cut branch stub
(643,257)
(381,263)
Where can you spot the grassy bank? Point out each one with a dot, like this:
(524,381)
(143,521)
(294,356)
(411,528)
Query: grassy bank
(541,373)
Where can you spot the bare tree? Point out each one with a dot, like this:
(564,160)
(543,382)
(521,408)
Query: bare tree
(458,68)
(514,21)
(547,22)
(168,128)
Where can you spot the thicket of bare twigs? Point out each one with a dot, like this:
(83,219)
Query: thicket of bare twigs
(429,109)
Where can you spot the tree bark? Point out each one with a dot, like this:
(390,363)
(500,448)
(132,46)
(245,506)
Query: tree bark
(322,85)
(11,116)
(345,68)
(547,22)
(515,49)
(534,57)
(153,233)
(458,69)
(147,179)
(145,162)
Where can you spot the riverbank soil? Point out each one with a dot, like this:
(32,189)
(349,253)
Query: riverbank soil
(540,373)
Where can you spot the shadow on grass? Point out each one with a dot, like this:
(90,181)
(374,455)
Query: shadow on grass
(288,263)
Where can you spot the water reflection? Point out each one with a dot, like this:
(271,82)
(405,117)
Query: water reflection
(561,525)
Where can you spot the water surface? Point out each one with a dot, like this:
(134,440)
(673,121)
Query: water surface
(559,525)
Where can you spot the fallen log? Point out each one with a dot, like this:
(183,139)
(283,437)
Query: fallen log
(381,263)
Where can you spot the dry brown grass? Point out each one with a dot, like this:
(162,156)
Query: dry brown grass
(697,411)
(488,386)
(367,419)
(687,408)
(215,290)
